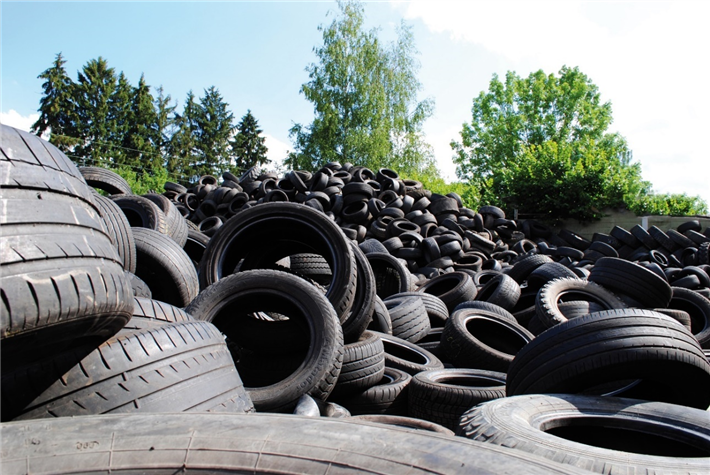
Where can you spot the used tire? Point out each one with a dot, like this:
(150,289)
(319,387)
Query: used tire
(106,180)
(401,354)
(629,278)
(599,434)
(119,231)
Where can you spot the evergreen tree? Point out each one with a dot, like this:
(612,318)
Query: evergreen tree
(97,83)
(141,142)
(182,149)
(57,108)
(248,144)
(119,121)
(164,123)
(214,130)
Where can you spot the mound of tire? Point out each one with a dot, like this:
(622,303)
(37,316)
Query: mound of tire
(351,294)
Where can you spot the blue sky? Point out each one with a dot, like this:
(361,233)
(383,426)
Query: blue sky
(647,58)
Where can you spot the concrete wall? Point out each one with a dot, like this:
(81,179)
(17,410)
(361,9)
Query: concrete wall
(628,220)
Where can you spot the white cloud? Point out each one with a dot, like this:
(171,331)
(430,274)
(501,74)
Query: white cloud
(14,119)
(278,150)
(645,57)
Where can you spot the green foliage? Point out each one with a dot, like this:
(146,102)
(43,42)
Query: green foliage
(540,144)
(364,99)
(57,109)
(431,180)
(248,144)
(213,130)
(669,205)
(142,183)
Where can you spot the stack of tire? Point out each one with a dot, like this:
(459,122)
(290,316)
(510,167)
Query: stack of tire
(75,340)
(352,292)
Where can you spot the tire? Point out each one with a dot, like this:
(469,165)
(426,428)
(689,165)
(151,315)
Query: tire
(142,212)
(106,180)
(487,306)
(119,231)
(313,266)
(409,318)
(501,290)
(255,239)
(443,396)
(195,246)
(435,308)
(62,281)
(452,288)
(165,267)
(547,272)
(175,223)
(524,266)
(177,367)
(381,321)
(568,290)
(405,423)
(633,280)
(249,443)
(478,339)
(586,353)
(388,396)
(139,287)
(232,299)
(363,365)
(698,308)
(401,354)
(391,276)
(149,314)
(363,308)
(599,434)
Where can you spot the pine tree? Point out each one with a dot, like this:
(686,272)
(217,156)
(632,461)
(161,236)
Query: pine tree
(97,83)
(57,108)
(119,121)
(214,130)
(248,145)
(182,149)
(141,141)
(164,122)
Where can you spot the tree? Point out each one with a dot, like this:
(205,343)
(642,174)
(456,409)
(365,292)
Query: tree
(119,120)
(57,107)
(164,121)
(214,130)
(182,149)
(364,99)
(248,144)
(141,140)
(540,144)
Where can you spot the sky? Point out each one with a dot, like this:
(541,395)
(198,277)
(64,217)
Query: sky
(646,57)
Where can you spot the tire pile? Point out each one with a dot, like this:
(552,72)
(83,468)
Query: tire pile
(344,294)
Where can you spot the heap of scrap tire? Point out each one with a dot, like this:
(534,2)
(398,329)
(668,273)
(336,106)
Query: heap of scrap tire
(227,325)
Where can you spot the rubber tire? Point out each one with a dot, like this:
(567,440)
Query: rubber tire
(105,180)
(404,422)
(176,224)
(570,289)
(149,313)
(142,212)
(435,308)
(409,317)
(165,267)
(442,396)
(401,354)
(119,230)
(698,307)
(138,286)
(256,237)
(231,299)
(490,307)
(363,308)
(501,290)
(452,288)
(478,339)
(525,423)
(363,365)
(391,275)
(176,367)
(381,321)
(634,280)
(388,396)
(62,282)
(615,345)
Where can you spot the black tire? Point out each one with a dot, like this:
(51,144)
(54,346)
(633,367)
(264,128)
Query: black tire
(490,307)
(633,280)
(176,224)
(452,288)
(149,313)
(256,239)
(142,212)
(591,352)
(404,422)
(478,339)
(363,308)
(391,275)
(388,396)
(363,365)
(547,272)
(570,289)
(525,265)
(139,287)
(62,281)
(409,357)
(602,435)
(176,367)
(230,300)
(435,308)
(443,396)
(698,308)
(409,318)
(249,443)
(501,290)
(119,230)
(195,246)
(381,321)
(165,267)
(106,180)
